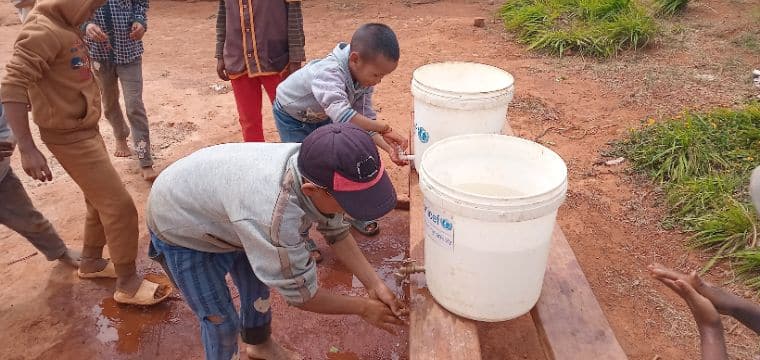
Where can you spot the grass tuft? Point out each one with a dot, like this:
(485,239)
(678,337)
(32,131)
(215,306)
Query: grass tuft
(703,161)
(599,28)
(670,7)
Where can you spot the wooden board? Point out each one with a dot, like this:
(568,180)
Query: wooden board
(434,332)
(569,320)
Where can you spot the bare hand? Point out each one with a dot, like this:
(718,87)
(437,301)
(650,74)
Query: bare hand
(395,140)
(719,298)
(35,165)
(380,315)
(94,32)
(292,67)
(386,296)
(138,31)
(6,149)
(221,70)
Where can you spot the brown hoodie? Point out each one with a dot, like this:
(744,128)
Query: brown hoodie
(50,70)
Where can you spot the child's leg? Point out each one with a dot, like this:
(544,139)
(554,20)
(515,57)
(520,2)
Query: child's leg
(248,99)
(18,213)
(200,276)
(111,214)
(255,312)
(109,89)
(130,76)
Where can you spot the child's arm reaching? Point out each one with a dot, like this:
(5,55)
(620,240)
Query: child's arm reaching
(743,310)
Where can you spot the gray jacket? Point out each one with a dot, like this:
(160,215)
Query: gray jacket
(244,197)
(5,136)
(325,89)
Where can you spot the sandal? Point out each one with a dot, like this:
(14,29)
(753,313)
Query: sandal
(108,272)
(145,295)
(314,251)
(367,228)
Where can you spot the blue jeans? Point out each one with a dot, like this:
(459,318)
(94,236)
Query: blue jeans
(291,129)
(200,276)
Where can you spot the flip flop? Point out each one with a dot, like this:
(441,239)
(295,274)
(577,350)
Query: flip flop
(363,226)
(108,272)
(311,246)
(144,296)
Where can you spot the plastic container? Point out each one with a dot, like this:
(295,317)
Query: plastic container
(490,207)
(458,98)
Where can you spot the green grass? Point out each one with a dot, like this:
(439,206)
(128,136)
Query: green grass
(749,41)
(670,7)
(703,161)
(599,28)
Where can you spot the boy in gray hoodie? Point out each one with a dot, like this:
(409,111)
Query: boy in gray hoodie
(339,89)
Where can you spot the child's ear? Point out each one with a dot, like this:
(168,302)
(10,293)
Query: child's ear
(309,189)
(354,57)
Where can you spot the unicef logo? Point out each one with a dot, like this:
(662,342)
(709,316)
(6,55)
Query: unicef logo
(423,135)
(446,224)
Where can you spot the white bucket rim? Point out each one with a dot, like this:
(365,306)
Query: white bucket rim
(549,196)
(421,84)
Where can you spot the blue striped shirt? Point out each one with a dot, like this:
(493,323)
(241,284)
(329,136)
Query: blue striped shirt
(115,18)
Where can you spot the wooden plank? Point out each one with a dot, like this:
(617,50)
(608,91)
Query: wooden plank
(569,320)
(434,332)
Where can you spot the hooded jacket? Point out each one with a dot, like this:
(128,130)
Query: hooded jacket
(325,89)
(50,69)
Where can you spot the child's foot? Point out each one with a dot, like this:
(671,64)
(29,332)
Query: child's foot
(91,265)
(122,149)
(148,173)
(71,258)
(271,350)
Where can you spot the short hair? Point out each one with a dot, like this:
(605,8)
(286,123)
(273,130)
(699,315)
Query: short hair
(373,39)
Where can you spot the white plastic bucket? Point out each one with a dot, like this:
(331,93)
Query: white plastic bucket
(458,98)
(490,207)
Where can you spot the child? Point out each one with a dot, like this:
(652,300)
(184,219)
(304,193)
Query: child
(339,89)
(18,213)
(50,70)
(242,206)
(258,43)
(707,302)
(114,38)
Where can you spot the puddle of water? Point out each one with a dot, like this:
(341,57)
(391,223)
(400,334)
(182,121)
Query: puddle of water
(130,327)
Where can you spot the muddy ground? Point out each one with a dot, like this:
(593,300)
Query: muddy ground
(574,105)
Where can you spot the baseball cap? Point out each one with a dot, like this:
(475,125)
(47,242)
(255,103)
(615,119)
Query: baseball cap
(343,159)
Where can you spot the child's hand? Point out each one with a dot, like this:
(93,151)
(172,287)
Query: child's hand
(703,309)
(6,149)
(35,165)
(386,296)
(221,70)
(719,298)
(395,140)
(380,315)
(138,31)
(95,33)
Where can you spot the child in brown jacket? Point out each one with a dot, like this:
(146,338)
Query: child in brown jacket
(50,70)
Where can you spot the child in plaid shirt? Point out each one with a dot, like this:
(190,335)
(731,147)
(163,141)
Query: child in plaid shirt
(114,38)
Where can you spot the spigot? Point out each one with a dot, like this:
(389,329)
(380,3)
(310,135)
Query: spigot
(410,267)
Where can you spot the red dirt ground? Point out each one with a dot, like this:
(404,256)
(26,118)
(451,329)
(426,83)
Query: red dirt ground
(574,105)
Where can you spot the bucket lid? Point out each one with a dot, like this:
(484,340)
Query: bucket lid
(463,77)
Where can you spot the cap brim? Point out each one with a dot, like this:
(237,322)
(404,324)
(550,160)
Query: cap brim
(369,204)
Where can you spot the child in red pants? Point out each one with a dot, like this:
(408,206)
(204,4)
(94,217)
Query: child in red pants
(255,50)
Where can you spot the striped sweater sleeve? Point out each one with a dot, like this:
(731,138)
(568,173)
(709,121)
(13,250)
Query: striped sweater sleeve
(329,88)
(221,29)
(296,37)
